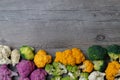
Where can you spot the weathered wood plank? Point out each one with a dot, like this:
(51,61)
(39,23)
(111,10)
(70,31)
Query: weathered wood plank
(59,24)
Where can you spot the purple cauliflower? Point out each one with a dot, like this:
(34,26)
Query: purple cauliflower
(25,67)
(23,78)
(38,74)
(5,73)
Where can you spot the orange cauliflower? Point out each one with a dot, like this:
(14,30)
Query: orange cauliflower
(112,70)
(87,66)
(41,59)
(70,56)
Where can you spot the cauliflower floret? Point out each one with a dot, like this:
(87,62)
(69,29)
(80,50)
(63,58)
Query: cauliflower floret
(5,50)
(5,53)
(38,74)
(5,73)
(96,75)
(25,67)
(112,70)
(41,59)
(15,57)
(70,56)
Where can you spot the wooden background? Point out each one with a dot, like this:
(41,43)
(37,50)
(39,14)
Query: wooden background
(59,24)
(56,24)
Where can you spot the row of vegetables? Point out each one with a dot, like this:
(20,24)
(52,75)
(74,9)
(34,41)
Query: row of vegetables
(71,64)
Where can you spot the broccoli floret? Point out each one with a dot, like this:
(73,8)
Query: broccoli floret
(27,52)
(56,78)
(114,52)
(96,52)
(49,69)
(99,65)
(84,76)
(59,68)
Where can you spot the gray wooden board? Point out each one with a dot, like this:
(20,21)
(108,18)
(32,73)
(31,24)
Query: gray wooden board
(59,24)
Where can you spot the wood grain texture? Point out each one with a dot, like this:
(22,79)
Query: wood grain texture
(59,24)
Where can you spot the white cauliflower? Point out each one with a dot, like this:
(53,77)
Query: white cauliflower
(117,78)
(5,53)
(15,57)
(5,50)
(96,75)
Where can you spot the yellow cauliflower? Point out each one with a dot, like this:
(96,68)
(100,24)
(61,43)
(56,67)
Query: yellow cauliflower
(41,59)
(70,56)
(112,70)
(87,66)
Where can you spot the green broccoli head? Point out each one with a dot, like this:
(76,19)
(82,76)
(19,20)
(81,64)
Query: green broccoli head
(96,52)
(27,52)
(49,69)
(99,65)
(84,76)
(56,78)
(114,52)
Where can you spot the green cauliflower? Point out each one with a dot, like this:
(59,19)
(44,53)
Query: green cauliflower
(84,76)
(56,78)
(72,68)
(59,68)
(66,78)
(55,69)
(27,52)
(114,52)
(49,69)
(73,72)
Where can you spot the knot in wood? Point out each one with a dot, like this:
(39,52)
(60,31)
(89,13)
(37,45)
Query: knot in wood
(100,37)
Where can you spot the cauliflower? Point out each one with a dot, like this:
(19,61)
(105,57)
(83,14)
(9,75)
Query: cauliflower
(5,53)
(66,78)
(38,74)
(5,73)
(56,78)
(87,66)
(23,78)
(70,57)
(112,70)
(84,76)
(41,59)
(96,75)
(15,57)
(117,78)
(55,69)
(5,50)
(27,52)
(73,71)
(25,67)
